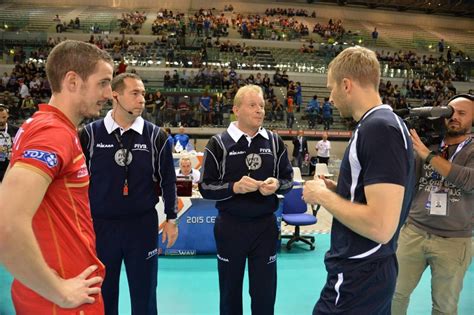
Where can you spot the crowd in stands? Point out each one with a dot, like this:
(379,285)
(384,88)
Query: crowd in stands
(132,22)
(23,88)
(333,30)
(208,109)
(63,26)
(74,24)
(215,109)
(166,22)
(269,27)
(430,92)
(433,67)
(205,23)
(432,84)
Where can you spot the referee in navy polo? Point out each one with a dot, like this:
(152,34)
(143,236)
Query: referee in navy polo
(372,197)
(129,162)
(243,169)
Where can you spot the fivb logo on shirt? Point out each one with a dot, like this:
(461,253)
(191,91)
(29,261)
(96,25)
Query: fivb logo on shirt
(253,161)
(48,158)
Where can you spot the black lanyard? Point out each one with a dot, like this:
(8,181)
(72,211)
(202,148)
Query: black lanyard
(125,163)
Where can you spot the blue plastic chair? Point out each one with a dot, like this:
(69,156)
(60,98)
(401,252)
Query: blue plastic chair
(294,213)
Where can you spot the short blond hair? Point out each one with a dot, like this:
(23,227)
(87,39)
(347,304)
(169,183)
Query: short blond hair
(356,63)
(245,90)
(184,158)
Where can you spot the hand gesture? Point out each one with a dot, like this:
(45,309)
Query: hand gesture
(79,290)
(269,186)
(330,184)
(246,184)
(312,190)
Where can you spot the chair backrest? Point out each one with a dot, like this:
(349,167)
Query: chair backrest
(292,203)
(297,175)
(322,169)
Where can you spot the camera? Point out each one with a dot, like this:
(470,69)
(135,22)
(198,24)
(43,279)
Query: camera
(428,122)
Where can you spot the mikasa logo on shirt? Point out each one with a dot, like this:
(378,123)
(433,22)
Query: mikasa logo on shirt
(102,145)
(236,152)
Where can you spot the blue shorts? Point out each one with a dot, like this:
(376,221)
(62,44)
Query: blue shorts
(366,290)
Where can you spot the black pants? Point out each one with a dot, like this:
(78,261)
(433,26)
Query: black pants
(135,242)
(238,241)
(324,160)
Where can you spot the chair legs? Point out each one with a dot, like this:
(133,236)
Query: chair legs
(296,237)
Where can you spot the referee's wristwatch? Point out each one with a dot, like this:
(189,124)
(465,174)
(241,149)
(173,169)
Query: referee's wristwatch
(430,156)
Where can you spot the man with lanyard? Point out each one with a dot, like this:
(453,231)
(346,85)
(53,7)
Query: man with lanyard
(243,169)
(439,226)
(371,199)
(7,133)
(129,161)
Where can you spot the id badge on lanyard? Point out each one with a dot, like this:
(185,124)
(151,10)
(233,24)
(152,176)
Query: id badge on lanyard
(437,203)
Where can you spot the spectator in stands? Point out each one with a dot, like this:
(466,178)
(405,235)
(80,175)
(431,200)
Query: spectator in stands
(290,112)
(4,81)
(35,85)
(375,36)
(167,82)
(169,115)
(327,113)
(23,92)
(277,78)
(8,132)
(312,111)
(28,107)
(59,24)
(159,106)
(205,104)
(122,67)
(181,141)
(291,91)
(77,23)
(441,46)
(219,110)
(183,113)
(298,96)
(284,78)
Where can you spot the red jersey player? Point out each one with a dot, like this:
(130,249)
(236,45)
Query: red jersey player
(47,240)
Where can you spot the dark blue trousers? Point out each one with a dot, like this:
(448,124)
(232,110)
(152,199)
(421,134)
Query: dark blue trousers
(240,240)
(366,290)
(134,241)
